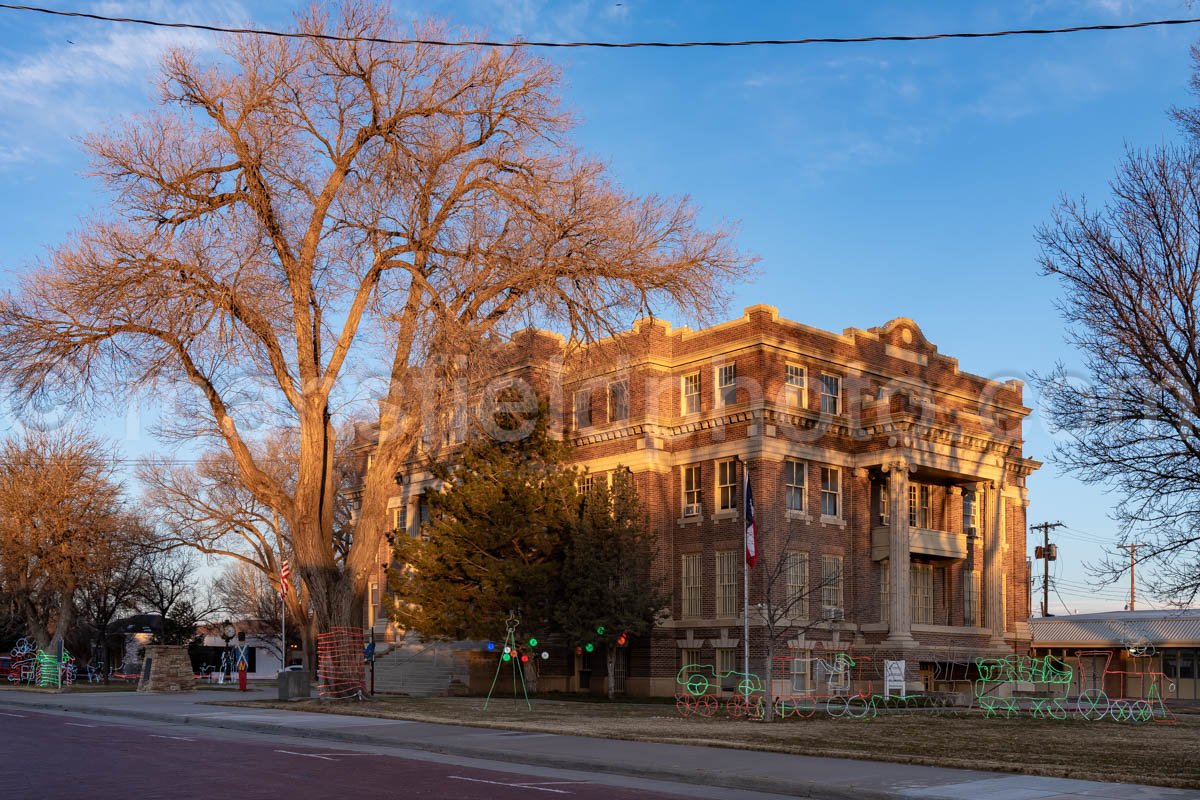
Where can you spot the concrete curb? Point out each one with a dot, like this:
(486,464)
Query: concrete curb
(797,788)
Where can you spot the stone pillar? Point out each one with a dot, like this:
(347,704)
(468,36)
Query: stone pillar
(899,611)
(993,562)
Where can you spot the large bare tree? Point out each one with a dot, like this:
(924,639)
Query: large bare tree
(1131,275)
(309,213)
(62,523)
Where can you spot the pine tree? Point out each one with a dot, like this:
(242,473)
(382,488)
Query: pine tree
(494,540)
(608,592)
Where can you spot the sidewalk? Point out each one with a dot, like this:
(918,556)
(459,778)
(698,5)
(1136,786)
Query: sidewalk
(735,769)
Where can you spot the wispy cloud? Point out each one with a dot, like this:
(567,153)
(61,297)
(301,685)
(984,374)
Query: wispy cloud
(72,75)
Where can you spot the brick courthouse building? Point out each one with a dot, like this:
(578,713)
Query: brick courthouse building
(890,484)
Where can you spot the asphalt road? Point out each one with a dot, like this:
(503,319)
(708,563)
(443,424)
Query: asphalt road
(70,756)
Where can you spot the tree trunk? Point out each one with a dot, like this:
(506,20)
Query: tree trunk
(768,683)
(610,654)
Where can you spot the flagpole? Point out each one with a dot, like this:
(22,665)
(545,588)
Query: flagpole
(745,583)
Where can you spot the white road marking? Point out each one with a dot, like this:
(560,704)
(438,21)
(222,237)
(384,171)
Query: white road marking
(2,714)
(176,738)
(324,756)
(510,785)
(556,783)
(80,725)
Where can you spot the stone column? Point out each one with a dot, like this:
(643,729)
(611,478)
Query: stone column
(993,562)
(899,611)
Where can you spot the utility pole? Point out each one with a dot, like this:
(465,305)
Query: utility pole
(1047,553)
(1132,548)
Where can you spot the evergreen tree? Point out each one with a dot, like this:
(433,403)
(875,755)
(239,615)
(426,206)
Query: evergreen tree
(494,540)
(608,592)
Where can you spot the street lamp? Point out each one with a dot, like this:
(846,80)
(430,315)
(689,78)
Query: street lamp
(227,633)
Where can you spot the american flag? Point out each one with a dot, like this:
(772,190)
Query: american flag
(285,579)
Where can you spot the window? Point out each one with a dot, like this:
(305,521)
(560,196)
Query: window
(793,386)
(831,582)
(797,584)
(691,491)
(691,585)
(831,491)
(727,595)
(793,485)
(726,385)
(802,674)
(370,461)
(586,482)
(726,485)
(921,593)
(971,595)
(690,391)
(969,520)
(618,401)
(422,510)
(399,522)
(690,657)
(726,661)
(831,394)
(583,409)
(919,515)
(885,590)
(884,513)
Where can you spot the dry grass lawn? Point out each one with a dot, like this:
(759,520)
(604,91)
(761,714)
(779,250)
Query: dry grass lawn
(1152,753)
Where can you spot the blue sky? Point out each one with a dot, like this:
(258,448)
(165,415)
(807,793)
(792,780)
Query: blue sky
(874,181)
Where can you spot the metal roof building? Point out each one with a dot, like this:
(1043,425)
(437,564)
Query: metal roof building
(1140,643)
(1177,627)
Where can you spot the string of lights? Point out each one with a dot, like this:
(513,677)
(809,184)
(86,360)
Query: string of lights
(926,37)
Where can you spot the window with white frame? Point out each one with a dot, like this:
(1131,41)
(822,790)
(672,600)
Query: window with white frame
(921,593)
(802,673)
(831,582)
(583,409)
(618,401)
(884,514)
(691,491)
(689,660)
(586,483)
(689,391)
(794,480)
(726,385)
(831,394)
(726,485)
(919,513)
(370,461)
(831,491)
(970,521)
(690,582)
(797,584)
(972,591)
(727,595)
(399,523)
(794,385)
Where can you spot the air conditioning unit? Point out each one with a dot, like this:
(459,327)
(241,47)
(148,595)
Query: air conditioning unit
(834,613)
(692,510)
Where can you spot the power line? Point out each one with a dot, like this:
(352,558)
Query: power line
(617,45)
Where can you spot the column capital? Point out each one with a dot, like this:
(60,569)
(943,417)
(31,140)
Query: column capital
(899,464)
(860,472)
(955,491)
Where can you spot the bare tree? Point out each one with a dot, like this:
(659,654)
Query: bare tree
(1131,273)
(327,210)
(205,507)
(171,588)
(783,613)
(246,592)
(61,521)
(114,586)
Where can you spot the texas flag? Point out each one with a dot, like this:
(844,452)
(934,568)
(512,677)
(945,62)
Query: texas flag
(751,525)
